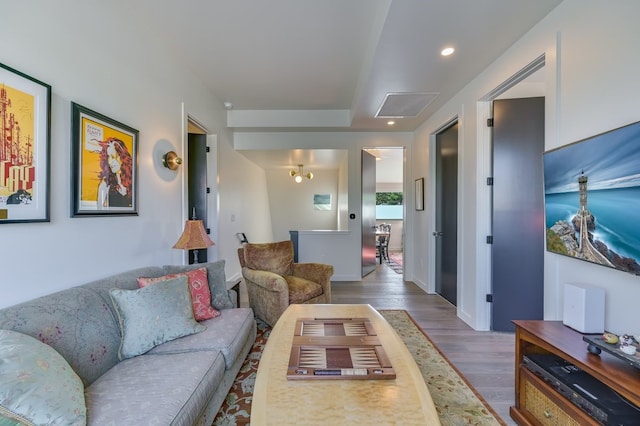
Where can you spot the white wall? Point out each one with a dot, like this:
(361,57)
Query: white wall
(90,54)
(591,85)
(244,205)
(292,203)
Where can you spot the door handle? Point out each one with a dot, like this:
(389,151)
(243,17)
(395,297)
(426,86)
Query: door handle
(438,234)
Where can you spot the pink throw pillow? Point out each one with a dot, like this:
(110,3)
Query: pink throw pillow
(199,289)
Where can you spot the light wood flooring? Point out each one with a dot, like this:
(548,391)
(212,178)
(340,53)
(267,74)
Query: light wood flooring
(486,359)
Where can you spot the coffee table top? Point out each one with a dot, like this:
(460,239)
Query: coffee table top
(279,401)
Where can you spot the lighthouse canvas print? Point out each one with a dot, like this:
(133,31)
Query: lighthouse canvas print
(592,199)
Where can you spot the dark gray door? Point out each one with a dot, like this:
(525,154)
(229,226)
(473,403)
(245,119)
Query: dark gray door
(197,185)
(446,233)
(368,213)
(518,211)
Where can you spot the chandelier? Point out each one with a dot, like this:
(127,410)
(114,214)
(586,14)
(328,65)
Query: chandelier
(298,175)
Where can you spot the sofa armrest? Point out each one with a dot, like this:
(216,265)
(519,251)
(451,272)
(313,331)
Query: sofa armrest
(265,279)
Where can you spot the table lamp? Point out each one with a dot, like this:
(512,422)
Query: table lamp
(194,237)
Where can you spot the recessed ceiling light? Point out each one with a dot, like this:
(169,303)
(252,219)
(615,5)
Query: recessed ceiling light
(391,122)
(447,51)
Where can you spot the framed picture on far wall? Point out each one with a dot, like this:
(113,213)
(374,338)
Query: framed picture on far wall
(25,109)
(419,194)
(105,171)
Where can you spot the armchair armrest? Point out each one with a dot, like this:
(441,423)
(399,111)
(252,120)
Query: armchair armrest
(317,272)
(266,280)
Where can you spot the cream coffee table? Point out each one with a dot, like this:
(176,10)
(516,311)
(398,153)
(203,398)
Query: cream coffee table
(278,401)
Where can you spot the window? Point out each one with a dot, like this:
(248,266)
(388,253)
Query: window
(389,205)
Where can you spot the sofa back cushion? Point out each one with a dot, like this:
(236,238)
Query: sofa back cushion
(272,257)
(76,322)
(80,322)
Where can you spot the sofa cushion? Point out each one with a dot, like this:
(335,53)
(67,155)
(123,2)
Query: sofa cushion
(226,334)
(153,315)
(301,290)
(76,322)
(217,282)
(198,287)
(38,385)
(155,389)
(272,257)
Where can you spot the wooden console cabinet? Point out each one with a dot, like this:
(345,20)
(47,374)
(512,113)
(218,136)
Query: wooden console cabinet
(536,402)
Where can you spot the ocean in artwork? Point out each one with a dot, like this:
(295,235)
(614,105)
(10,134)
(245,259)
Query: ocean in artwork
(616,212)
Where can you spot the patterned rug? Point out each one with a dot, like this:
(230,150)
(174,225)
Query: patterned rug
(456,401)
(395,262)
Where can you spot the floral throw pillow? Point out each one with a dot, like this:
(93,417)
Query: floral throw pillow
(198,287)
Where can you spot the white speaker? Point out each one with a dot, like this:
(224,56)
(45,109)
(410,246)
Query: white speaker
(584,308)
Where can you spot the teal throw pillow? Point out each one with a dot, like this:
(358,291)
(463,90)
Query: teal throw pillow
(37,385)
(153,315)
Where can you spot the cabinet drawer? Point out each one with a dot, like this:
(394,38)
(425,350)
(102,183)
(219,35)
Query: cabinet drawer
(546,405)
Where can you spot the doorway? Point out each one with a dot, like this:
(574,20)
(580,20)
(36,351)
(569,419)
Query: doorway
(198,190)
(446,212)
(386,190)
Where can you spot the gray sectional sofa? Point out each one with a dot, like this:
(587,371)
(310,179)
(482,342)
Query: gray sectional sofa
(181,382)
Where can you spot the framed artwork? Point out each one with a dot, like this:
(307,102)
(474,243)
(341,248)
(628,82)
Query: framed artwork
(419,194)
(592,199)
(104,159)
(25,113)
(322,201)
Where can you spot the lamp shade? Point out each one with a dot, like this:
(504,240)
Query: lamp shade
(193,237)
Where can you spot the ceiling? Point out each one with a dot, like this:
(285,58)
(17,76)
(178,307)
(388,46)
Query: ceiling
(329,64)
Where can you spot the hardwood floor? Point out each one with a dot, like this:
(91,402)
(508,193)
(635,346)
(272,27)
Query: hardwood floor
(486,359)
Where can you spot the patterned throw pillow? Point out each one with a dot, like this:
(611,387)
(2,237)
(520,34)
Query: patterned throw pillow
(217,281)
(153,315)
(37,384)
(199,288)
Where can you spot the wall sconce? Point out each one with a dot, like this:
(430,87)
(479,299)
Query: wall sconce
(297,176)
(171,160)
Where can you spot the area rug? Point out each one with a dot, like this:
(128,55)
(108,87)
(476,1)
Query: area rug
(395,262)
(456,401)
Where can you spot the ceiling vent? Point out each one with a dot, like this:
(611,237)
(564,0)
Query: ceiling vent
(396,105)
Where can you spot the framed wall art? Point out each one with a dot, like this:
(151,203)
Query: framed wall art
(25,115)
(419,187)
(105,171)
(592,199)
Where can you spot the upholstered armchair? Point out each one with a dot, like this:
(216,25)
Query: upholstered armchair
(274,281)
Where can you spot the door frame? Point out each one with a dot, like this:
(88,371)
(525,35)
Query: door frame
(408,191)
(212,181)
(484,202)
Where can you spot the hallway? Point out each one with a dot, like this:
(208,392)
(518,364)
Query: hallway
(486,359)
